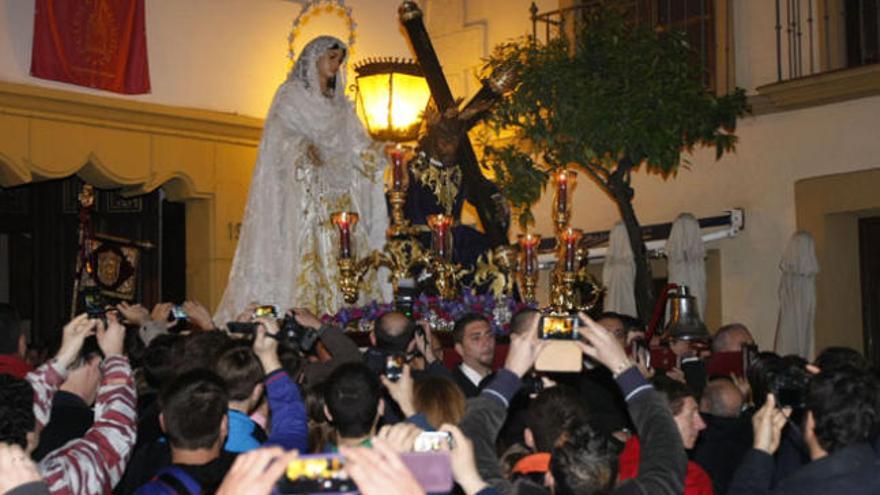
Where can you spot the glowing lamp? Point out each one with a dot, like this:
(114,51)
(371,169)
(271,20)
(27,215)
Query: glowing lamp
(391,97)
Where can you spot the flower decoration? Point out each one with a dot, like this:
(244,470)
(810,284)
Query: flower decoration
(439,313)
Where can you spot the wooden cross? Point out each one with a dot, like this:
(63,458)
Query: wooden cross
(478,190)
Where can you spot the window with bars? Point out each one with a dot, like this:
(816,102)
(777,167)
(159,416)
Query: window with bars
(705,23)
(814,36)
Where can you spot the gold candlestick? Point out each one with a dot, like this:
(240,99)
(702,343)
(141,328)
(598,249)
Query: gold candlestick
(397,196)
(529,265)
(565,181)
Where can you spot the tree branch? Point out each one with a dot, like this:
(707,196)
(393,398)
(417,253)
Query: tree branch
(603,182)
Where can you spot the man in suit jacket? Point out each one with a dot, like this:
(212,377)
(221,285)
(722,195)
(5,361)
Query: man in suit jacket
(475,343)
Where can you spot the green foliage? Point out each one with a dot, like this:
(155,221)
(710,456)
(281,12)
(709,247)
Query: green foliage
(518,178)
(624,97)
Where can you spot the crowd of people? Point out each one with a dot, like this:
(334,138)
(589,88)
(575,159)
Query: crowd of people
(136,401)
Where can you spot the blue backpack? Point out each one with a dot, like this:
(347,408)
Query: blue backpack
(171,480)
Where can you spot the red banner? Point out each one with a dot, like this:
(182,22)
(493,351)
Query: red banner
(95,43)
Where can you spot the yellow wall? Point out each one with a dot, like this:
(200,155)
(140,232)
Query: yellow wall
(775,151)
(201,158)
(829,207)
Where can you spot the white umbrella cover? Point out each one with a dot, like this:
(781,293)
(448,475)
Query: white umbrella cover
(686,258)
(797,297)
(619,273)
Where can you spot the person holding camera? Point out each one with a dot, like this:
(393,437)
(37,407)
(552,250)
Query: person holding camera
(395,334)
(249,372)
(331,349)
(839,416)
(583,461)
(94,463)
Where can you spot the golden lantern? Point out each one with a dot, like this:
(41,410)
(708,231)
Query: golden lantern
(391,97)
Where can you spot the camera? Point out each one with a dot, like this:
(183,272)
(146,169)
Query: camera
(304,337)
(178,313)
(289,329)
(405,297)
(267,310)
(316,473)
(789,386)
(558,326)
(394,366)
(432,441)
(639,348)
(94,303)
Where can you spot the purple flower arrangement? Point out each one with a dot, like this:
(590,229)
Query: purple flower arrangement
(439,313)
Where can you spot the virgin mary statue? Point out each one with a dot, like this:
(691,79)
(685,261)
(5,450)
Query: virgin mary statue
(314,159)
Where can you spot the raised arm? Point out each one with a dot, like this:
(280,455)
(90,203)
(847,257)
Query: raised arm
(485,414)
(94,463)
(289,420)
(663,462)
(46,379)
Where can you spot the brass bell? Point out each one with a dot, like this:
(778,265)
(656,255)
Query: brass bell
(684,317)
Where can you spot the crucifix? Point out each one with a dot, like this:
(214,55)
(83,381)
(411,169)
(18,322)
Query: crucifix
(476,188)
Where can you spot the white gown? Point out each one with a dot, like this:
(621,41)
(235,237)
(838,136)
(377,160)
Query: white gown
(287,250)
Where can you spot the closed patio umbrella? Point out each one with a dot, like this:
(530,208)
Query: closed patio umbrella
(797,297)
(686,258)
(619,273)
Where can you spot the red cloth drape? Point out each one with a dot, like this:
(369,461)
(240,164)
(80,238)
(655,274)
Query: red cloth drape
(95,43)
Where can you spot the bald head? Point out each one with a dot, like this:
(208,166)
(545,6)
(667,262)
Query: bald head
(393,331)
(732,338)
(721,398)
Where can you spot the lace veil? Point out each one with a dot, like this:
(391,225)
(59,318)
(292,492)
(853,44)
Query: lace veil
(286,253)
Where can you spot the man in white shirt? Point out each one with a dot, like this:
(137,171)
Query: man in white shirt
(475,343)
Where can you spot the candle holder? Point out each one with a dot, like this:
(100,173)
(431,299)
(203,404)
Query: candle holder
(447,275)
(400,255)
(441,235)
(564,182)
(528,265)
(399,186)
(344,222)
(568,248)
(563,296)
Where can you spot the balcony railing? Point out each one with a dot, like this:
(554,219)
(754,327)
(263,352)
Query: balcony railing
(814,36)
(696,17)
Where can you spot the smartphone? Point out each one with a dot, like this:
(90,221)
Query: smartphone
(433,441)
(325,473)
(394,366)
(266,310)
(638,348)
(558,327)
(178,313)
(317,473)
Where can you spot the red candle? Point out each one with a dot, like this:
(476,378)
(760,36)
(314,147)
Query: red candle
(344,221)
(570,237)
(440,225)
(562,191)
(398,170)
(528,244)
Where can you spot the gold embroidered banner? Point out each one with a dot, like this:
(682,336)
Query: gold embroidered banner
(95,43)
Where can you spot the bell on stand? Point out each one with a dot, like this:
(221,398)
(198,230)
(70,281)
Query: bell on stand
(684,318)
